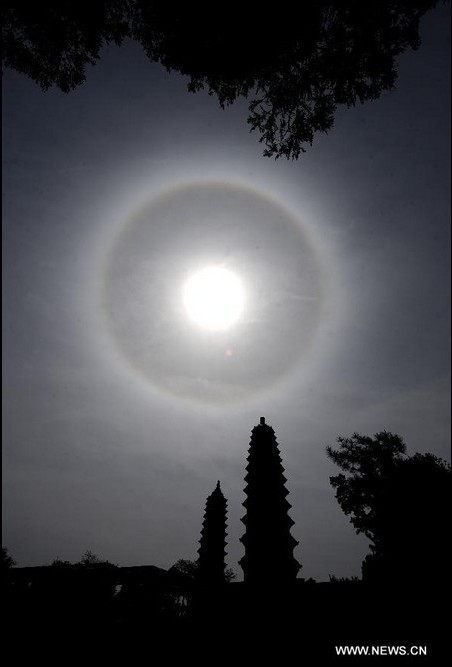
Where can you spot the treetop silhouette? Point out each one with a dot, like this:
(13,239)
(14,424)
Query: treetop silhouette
(295,71)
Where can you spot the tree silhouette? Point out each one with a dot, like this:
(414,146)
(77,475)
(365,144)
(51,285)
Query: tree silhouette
(294,71)
(53,42)
(188,571)
(7,560)
(414,540)
(369,462)
(57,562)
(399,502)
(89,559)
(185,569)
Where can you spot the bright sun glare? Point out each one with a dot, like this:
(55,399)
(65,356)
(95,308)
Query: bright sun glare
(214,298)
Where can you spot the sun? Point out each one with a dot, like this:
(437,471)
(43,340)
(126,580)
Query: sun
(214,298)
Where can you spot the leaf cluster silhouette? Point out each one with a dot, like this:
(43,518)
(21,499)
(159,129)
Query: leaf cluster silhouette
(294,66)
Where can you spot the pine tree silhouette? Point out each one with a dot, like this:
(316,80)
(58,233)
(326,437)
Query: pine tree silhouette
(268,543)
(211,563)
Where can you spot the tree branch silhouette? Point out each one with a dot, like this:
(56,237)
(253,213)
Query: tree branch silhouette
(294,70)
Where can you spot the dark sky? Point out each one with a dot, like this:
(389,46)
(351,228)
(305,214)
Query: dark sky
(118,417)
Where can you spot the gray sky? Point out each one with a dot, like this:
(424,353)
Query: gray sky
(117,423)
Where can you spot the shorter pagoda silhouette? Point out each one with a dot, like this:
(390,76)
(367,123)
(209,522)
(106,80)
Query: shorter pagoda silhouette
(211,561)
(268,543)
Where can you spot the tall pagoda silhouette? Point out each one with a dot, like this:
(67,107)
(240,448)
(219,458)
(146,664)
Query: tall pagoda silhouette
(268,543)
(211,561)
